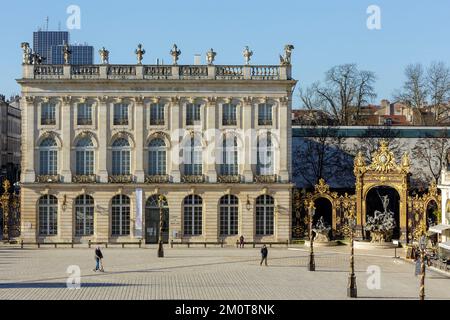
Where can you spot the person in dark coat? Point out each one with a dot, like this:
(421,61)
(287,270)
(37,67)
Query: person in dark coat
(98,260)
(264,254)
(241,242)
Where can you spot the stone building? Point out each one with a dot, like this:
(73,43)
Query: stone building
(102,143)
(10,130)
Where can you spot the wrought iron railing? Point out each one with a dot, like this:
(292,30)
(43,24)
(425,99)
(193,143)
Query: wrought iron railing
(121,179)
(193,178)
(157,179)
(48,178)
(92,178)
(229,179)
(48,121)
(266,179)
(157,122)
(84,121)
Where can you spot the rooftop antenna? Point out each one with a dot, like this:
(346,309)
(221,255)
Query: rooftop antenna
(46,23)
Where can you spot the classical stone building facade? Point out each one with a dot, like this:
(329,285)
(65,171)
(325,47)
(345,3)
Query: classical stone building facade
(102,143)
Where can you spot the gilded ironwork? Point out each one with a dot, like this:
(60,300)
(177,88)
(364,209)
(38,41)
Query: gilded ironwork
(48,179)
(10,204)
(229,179)
(157,179)
(193,178)
(266,179)
(84,178)
(121,179)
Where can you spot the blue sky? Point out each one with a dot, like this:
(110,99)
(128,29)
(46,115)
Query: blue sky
(325,33)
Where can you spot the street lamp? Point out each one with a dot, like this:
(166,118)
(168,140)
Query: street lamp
(311,211)
(352,291)
(422,246)
(160,240)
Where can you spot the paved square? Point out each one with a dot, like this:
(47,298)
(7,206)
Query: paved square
(212,273)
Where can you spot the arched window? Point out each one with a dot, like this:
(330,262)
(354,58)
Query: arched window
(229,212)
(48,215)
(192,157)
(120,215)
(192,209)
(265,208)
(265,157)
(157,157)
(121,157)
(84,157)
(152,219)
(229,166)
(48,155)
(84,216)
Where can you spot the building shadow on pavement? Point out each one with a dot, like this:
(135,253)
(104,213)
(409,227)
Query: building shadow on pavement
(59,285)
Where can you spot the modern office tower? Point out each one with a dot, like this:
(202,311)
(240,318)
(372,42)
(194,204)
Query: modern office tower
(81,55)
(43,41)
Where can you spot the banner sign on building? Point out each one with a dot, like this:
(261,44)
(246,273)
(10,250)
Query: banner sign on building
(138,226)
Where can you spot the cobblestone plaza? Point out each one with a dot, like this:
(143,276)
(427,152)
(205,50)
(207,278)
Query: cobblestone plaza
(211,273)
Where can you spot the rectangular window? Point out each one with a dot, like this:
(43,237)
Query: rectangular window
(121,163)
(85,163)
(84,114)
(157,163)
(265,114)
(49,162)
(229,115)
(48,114)
(157,114)
(121,114)
(192,114)
(120,220)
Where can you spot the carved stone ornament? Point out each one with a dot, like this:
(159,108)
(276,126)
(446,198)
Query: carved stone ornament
(286,59)
(175,53)
(27,53)
(104,55)
(210,56)
(139,53)
(247,55)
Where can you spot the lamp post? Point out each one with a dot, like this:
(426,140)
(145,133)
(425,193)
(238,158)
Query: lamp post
(423,246)
(311,211)
(161,216)
(352,291)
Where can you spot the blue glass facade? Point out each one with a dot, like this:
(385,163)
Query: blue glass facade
(43,41)
(81,55)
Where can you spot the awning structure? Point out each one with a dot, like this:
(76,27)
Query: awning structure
(439,228)
(445,245)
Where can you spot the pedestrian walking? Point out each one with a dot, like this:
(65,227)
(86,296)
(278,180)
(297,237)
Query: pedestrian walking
(98,260)
(264,254)
(241,242)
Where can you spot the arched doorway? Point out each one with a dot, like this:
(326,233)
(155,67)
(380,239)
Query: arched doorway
(324,210)
(152,214)
(432,213)
(380,199)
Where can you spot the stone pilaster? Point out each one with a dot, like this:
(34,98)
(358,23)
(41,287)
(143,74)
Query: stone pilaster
(209,155)
(139,136)
(66,137)
(175,117)
(28,140)
(103,125)
(285,139)
(247,126)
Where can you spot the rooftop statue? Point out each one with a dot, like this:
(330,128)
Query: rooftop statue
(104,55)
(36,58)
(247,55)
(26,56)
(175,53)
(210,56)
(66,53)
(286,59)
(139,53)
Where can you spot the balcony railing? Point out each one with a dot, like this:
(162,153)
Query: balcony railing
(120,122)
(265,122)
(230,72)
(229,179)
(193,72)
(193,178)
(85,72)
(229,122)
(157,122)
(84,121)
(266,179)
(158,72)
(84,178)
(265,73)
(48,179)
(157,179)
(48,122)
(121,179)
(121,72)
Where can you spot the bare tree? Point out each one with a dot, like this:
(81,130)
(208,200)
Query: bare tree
(414,91)
(438,85)
(431,154)
(346,89)
(322,154)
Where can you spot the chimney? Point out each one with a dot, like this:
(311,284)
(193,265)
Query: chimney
(197,59)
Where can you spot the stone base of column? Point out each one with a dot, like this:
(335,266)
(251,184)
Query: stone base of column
(103,177)
(140,176)
(176,176)
(248,176)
